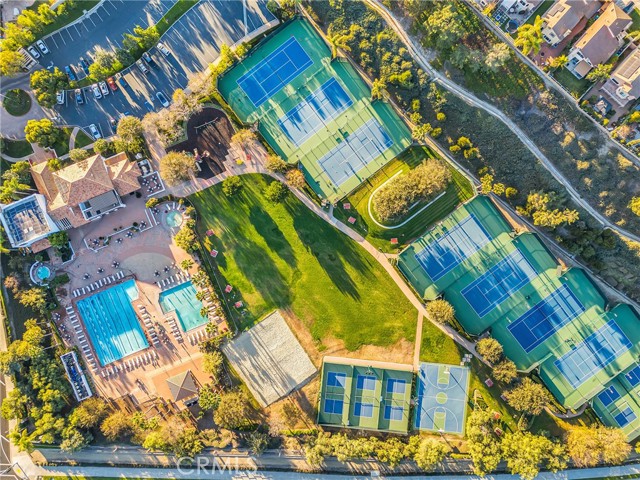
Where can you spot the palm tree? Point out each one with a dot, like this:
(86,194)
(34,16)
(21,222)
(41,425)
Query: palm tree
(530,37)
(558,62)
(186,264)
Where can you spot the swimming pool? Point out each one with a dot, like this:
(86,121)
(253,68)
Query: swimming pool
(182,299)
(111,322)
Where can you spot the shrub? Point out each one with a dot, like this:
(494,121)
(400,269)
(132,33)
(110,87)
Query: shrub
(528,397)
(490,349)
(276,192)
(231,186)
(441,311)
(505,371)
(296,179)
(152,202)
(275,164)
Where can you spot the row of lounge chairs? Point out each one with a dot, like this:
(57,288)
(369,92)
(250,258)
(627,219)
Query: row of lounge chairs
(173,280)
(82,339)
(146,319)
(99,284)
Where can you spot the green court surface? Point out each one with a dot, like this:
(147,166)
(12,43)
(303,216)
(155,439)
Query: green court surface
(365,394)
(339,139)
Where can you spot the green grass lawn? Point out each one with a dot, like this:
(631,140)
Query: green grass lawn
(284,256)
(175,12)
(635,20)
(17,102)
(62,146)
(75,12)
(82,140)
(459,190)
(575,86)
(16,148)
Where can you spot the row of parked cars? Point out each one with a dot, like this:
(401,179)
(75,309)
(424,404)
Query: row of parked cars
(38,52)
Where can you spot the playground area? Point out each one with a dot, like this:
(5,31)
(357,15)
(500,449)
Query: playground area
(314,110)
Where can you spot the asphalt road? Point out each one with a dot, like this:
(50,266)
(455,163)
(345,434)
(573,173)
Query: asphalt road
(194,42)
(103,29)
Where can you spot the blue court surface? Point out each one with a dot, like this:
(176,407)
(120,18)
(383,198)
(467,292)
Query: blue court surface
(454,247)
(112,323)
(633,376)
(608,396)
(596,352)
(625,416)
(442,398)
(274,72)
(495,285)
(355,152)
(546,318)
(315,111)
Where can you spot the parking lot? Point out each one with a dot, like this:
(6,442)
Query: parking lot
(194,43)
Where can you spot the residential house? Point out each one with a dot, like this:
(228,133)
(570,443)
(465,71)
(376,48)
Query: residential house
(562,18)
(624,84)
(600,41)
(85,191)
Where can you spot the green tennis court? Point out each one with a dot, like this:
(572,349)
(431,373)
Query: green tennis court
(314,110)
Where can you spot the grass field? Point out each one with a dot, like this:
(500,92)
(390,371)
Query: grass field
(62,146)
(459,190)
(173,14)
(284,256)
(576,86)
(17,102)
(82,140)
(75,12)
(16,148)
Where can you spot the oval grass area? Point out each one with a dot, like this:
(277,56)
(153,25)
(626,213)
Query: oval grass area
(17,102)
(284,256)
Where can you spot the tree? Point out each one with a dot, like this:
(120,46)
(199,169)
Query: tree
(10,62)
(490,349)
(21,438)
(12,283)
(20,171)
(177,167)
(243,139)
(212,363)
(14,406)
(615,448)
(124,56)
(231,186)
(11,189)
(89,413)
(634,205)
(55,164)
(35,298)
(525,453)
(257,442)
(275,164)
(528,397)
(421,131)
(59,239)
(47,16)
(187,443)
(46,84)
(444,27)
(497,56)
(588,446)
(483,444)
(486,184)
(79,154)
(600,73)
(208,398)
(43,132)
(539,207)
(186,237)
(295,178)
(379,89)
(147,37)
(130,131)
(276,192)
(116,426)
(16,37)
(186,264)
(441,311)
(505,371)
(338,41)
(104,65)
(102,146)
(529,37)
(157,441)
(233,411)
(74,440)
(30,20)
(558,62)
(430,453)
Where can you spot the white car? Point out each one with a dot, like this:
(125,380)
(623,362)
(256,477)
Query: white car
(43,48)
(104,88)
(96,90)
(95,133)
(163,48)
(60,97)
(34,53)
(163,100)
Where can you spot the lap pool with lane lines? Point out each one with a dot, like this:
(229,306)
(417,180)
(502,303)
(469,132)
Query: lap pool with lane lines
(112,323)
(182,300)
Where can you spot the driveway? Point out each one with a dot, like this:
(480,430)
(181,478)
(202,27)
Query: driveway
(13,127)
(103,28)
(194,42)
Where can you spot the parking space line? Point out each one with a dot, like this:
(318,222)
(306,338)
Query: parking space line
(76,27)
(54,41)
(62,38)
(94,23)
(69,33)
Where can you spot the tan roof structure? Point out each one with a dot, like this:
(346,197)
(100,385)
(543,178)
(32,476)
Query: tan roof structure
(600,41)
(69,190)
(182,386)
(564,15)
(624,84)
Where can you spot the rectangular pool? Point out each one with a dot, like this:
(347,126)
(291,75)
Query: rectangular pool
(182,300)
(112,323)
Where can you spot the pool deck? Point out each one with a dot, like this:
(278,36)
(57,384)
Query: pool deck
(141,374)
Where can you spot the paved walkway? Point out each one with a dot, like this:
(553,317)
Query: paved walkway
(72,138)
(418,344)
(420,56)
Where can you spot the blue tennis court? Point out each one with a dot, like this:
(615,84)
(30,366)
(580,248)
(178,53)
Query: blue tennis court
(546,318)
(625,416)
(495,285)
(596,352)
(442,398)
(315,111)
(454,247)
(633,376)
(608,396)
(274,72)
(355,152)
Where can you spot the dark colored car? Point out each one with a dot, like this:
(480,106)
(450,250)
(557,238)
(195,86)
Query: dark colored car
(112,84)
(147,58)
(70,71)
(114,124)
(85,65)
(123,83)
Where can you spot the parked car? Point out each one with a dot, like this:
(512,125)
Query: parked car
(68,69)
(60,97)
(96,90)
(120,78)
(95,133)
(34,53)
(103,88)
(85,65)
(147,58)
(112,84)
(143,68)
(43,48)
(163,100)
(79,96)
(113,123)
(163,48)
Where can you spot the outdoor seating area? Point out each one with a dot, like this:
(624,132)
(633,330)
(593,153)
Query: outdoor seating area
(108,280)
(152,184)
